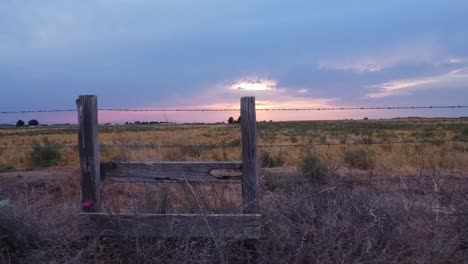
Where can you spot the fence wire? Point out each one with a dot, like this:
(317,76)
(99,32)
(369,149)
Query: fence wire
(370,179)
(237,109)
(156,146)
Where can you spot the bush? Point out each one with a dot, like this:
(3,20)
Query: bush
(267,160)
(366,140)
(113,153)
(6,168)
(312,167)
(359,159)
(44,155)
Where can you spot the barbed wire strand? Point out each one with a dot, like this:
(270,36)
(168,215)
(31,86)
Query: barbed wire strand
(137,146)
(237,109)
(373,179)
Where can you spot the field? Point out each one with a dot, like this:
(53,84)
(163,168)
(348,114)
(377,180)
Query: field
(281,144)
(367,191)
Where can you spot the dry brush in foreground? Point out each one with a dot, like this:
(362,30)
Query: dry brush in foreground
(326,222)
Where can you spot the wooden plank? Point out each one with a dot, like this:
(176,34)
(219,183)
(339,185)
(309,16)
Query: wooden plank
(235,226)
(157,171)
(144,180)
(88,145)
(250,169)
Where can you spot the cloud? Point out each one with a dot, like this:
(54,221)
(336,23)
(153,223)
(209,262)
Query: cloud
(269,94)
(456,60)
(416,52)
(453,79)
(254,84)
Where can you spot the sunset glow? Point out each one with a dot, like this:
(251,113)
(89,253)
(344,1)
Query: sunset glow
(254,85)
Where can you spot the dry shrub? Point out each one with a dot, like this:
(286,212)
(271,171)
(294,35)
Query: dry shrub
(44,155)
(354,224)
(270,160)
(360,159)
(40,226)
(312,167)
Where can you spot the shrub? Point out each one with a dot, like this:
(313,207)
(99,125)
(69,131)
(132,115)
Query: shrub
(360,159)
(234,142)
(44,155)
(312,167)
(6,168)
(113,153)
(366,140)
(194,151)
(293,139)
(268,160)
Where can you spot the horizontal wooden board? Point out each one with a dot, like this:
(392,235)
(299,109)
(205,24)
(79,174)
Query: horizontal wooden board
(231,226)
(154,171)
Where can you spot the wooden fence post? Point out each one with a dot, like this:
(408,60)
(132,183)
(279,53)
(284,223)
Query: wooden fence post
(250,169)
(88,145)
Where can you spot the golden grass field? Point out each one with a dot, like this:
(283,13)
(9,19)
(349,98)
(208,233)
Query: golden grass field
(331,140)
(396,220)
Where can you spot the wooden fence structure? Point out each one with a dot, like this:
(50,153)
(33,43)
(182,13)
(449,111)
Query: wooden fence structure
(94,222)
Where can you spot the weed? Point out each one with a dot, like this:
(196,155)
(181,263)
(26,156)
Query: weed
(312,167)
(193,151)
(6,168)
(234,142)
(366,140)
(360,159)
(44,155)
(293,139)
(113,153)
(268,160)
(323,139)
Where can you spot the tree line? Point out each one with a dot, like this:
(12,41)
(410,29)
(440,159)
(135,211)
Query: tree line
(32,122)
(232,121)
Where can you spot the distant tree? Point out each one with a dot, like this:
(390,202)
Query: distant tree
(365,118)
(20,123)
(239,119)
(231,120)
(33,122)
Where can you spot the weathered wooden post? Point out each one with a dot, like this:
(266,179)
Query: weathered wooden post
(250,168)
(88,145)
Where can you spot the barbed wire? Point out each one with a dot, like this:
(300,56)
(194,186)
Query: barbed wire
(369,179)
(156,146)
(237,109)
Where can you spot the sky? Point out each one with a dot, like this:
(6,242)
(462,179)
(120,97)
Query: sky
(207,54)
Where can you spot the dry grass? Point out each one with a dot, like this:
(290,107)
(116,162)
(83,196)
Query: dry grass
(337,222)
(390,159)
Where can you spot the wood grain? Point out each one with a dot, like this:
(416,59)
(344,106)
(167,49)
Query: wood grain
(250,169)
(158,171)
(88,144)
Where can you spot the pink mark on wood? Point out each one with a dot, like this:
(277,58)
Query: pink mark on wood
(88,203)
